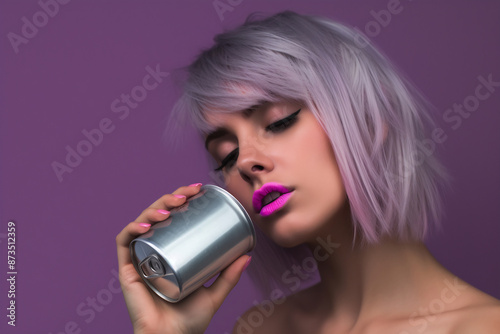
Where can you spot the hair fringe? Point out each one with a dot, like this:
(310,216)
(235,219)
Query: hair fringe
(377,121)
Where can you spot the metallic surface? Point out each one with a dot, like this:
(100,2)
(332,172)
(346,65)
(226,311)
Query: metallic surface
(198,240)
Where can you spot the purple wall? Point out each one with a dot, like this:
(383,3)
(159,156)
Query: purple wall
(63,78)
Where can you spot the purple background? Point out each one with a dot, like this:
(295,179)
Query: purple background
(65,78)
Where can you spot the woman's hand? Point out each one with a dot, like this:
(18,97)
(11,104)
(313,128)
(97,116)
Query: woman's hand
(148,312)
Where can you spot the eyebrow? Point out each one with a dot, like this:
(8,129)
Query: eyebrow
(220,132)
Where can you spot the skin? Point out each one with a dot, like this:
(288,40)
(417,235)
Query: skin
(390,287)
(264,157)
(149,313)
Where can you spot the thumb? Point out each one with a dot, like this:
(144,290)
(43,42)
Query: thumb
(227,280)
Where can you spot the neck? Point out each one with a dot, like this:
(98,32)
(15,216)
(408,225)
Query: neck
(363,282)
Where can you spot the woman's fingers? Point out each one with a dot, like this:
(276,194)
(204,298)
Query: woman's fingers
(123,239)
(158,211)
(168,201)
(177,198)
(148,312)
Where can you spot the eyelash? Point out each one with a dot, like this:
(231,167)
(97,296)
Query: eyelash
(275,127)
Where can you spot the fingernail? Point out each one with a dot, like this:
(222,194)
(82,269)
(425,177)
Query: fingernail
(163,212)
(180,196)
(144,225)
(247,263)
(195,185)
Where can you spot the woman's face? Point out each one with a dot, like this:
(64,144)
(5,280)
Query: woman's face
(279,143)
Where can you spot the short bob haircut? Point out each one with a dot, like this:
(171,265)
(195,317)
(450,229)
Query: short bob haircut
(377,122)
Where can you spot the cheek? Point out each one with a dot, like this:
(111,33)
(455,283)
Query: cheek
(241,191)
(327,175)
(313,155)
(319,177)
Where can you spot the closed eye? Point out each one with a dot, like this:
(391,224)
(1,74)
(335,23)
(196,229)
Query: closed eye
(229,160)
(284,123)
(275,127)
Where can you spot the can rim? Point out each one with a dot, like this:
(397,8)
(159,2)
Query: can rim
(147,281)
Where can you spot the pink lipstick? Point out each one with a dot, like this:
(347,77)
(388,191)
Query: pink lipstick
(270,198)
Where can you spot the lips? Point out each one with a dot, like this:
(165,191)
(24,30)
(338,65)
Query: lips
(270,193)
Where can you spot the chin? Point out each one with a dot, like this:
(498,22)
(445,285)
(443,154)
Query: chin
(284,232)
(286,242)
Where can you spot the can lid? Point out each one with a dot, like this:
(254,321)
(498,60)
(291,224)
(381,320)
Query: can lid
(151,267)
(155,270)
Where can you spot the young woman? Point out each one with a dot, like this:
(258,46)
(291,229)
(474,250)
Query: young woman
(319,137)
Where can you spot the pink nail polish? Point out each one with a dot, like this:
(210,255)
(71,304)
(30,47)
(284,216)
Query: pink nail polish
(195,185)
(144,225)
(180,196)
(163,212)
(247,263)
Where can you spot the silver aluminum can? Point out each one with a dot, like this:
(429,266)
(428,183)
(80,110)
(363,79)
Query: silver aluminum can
(198,240)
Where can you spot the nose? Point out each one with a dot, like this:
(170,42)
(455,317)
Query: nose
(253,161)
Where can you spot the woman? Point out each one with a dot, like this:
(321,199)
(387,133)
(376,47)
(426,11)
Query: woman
(318,136)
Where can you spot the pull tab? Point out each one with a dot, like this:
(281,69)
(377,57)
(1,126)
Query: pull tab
(151,267)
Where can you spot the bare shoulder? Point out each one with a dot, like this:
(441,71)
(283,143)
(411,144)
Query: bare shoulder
(475,312)
(482,316)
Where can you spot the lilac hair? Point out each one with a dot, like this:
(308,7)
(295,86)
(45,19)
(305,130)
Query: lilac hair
(377,121)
